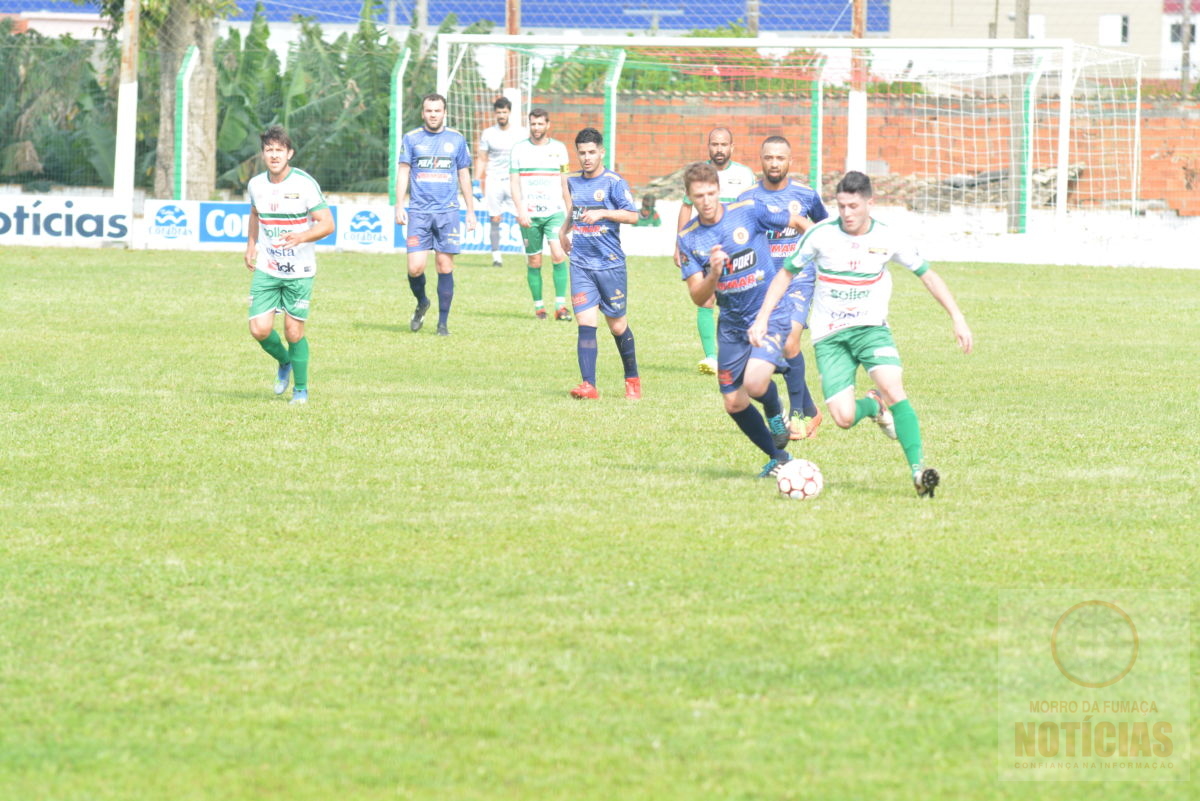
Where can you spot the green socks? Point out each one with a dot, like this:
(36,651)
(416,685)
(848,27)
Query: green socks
(706,324)
(533,277)
(908,431)
(560,284)
(274,346)
(865,407)
(299,353)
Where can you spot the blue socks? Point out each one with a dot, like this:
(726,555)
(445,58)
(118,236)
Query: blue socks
(800,398)
(754,427)
(772,406)
(445,296)
(417,284)
(585,349)
(625,348)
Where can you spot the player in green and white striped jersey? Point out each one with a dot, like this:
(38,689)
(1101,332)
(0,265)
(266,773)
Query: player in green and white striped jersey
(289,214)
(847,260)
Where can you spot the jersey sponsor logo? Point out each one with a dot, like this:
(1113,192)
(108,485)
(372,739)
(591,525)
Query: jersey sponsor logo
(725,377)
(618,294)
(849,294)
(598,195)
(742,260)
(878,251)
(413,241)
(887,351)
(434,163)
(741,235)
(291,196)
(286,267)
(433,177)
(783,233)
(742,282)
(780,250)
(579,298)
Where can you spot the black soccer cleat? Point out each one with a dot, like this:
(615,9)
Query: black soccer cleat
(443,331)
(418,318)
(926,480)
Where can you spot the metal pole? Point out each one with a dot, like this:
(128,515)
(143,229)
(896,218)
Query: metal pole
(396,126)
(125,154)
(752,17)
(512,27)
(610,108)
(856,112)
(1021,22)
(1185,41)
(422,14)
(183,103)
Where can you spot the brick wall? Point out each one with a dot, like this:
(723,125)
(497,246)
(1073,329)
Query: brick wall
(657,134)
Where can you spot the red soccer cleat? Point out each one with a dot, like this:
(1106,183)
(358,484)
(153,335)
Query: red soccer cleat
(633,389)
(561,313)
(539,313)
(585,391)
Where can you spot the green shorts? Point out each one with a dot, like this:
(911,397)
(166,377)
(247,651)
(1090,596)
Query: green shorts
(840,354)
(543,228)
(268,293)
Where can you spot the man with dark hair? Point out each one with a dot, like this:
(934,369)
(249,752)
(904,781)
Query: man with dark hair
(491,169)
(597,202)
(845,262)
(777,190)
(539,166)
(439,163)
(734,179)
(289,211)
(726,254)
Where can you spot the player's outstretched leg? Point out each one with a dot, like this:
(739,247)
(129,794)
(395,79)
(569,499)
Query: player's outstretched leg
(755,428)
(805,416)
(773,410)
(908,431)
(585,352)
(416,283)
(445,292)
(625,347)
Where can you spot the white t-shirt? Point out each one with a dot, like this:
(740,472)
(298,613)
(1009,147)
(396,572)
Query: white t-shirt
(853,285)
(732,181)
(282,208)
(498,143)
(540,169)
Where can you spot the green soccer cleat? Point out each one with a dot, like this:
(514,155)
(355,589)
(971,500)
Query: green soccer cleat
(925,479)
(779,431)
(884,418)
(771,468)
(282,376)
(299,397)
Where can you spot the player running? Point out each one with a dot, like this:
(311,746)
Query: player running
(734,179)
(777,190)
(491,169)
(597,202)
(538,166)
(289,212)
(726,254)
(847,259)
(439,162)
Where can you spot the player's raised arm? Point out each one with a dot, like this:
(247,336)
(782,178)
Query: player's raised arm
(941,293)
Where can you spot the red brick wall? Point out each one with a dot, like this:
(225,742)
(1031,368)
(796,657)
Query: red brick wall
(657,134)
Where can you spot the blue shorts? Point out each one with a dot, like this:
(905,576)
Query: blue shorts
(605,288)
(734,350)
(800,303)
(434,230)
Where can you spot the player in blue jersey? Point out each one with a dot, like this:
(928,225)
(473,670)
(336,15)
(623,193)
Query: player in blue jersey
(777,190)
(725,252)
(438,161)
(597,202)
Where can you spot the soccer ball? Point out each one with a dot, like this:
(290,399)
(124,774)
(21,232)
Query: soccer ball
(799,480)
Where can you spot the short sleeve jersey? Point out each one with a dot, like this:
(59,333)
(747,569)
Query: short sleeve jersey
(597,246)
(282,208)
(435,159)
(540,168)
(852,282)
(732,181)
(797,199)
(742,234)
(498,143)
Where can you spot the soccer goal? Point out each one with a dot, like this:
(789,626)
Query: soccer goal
(1013,127)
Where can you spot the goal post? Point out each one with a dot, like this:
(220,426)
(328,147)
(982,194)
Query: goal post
(1015,126)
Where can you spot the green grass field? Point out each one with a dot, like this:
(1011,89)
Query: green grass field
(444,579)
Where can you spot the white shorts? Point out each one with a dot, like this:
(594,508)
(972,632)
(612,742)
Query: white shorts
(499,197)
